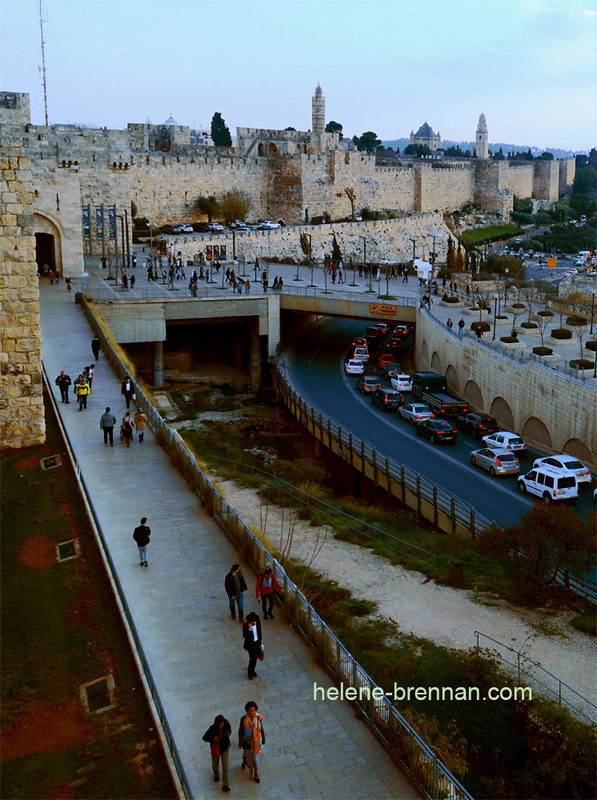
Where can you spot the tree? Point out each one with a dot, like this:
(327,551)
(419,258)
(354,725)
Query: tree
(368,142)
(352,196)
(336,252)
(333,127)
(234,205)
(451,256)
(220,132)
(208,206)
(459,259)
(546,156)
(499,156)
(306,246)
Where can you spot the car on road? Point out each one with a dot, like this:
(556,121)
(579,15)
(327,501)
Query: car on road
(566,465)
(372,332)
(390,370)
(477,425)
(548,484)
(496,461)
(360,341)
(387,399)
(383,359)
(402,382)
(382,327)
(362,353)
(367,384)
(215,227)
(186,228)
(176,229)
(354,367)
(437,430)
(507,440)
(416,412)
(268,225)
(401,331)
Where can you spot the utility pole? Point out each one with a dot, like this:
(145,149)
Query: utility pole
(43,60)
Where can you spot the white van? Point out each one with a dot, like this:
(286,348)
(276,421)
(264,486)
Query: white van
(549,484)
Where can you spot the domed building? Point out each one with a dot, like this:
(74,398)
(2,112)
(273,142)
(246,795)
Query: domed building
(426,137)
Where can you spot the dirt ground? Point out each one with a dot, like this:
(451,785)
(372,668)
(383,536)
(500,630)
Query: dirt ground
(416,604)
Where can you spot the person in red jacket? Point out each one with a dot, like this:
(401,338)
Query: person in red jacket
(266,584)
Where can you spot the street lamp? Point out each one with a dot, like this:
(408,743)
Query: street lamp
(495,299)
(592,312)
(414,255)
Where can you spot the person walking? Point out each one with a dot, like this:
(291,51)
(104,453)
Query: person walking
(82,390)
(63,381)
(90,373)
(266,583)
(449,323)
(107,422)
(126,429)
(251,735)
(96,346)
(252,642)
(141,535)
(235,585)
(140,423)
(461,324)
(218,735)
(104,259)
(127,390)
(247,286)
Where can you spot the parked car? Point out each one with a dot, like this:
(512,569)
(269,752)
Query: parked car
(361,353)
(215,227)
(437,430)
(176,229)
(390,370)
(367,384)
(567,465)
(354,367)
(477,424)
(402,382)
(416,413)
(496,461)
(268,225)
(550,485)
(186,228)
(507,440)
(238,223)
(387,399)
(201,227)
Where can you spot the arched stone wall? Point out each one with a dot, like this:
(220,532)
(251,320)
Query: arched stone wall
(576,448)
(271,148)
(535,431)
(260,150)
(436,363)
(501,410)
(424,355)
(42,224)
(474,395)
(452,379)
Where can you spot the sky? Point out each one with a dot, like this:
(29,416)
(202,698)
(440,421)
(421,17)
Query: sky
(383,65)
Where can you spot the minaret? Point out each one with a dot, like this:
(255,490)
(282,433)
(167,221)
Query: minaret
(318,111)
(482,139)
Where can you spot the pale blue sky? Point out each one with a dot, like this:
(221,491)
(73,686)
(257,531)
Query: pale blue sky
(384,65)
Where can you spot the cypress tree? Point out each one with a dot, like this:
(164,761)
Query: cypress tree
(220,132)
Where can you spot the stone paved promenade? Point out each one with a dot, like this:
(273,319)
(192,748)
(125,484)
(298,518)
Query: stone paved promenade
(314,749)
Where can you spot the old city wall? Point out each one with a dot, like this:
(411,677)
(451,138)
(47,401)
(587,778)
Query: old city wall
(21,403)
(518,178)
(493,384)
(546,180)
(567,174)
(445,187)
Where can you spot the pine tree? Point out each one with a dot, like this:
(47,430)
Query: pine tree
(336,252)
(220,132)
(451,255)
(459,259)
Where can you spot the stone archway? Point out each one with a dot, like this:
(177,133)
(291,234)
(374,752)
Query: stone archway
(48,243)
(436,363)
(260,150)
(535,431)
(271,148)
(501,410)
(424,355)
(578,449)
(452,379)
(473,394)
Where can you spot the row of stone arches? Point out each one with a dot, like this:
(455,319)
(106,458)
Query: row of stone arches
(272,148)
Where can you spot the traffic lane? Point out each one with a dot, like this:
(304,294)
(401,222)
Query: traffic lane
(316,370)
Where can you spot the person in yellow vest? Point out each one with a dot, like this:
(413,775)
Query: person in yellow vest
(82,390)
(140,423)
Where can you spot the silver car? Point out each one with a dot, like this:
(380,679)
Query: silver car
(415,413)
(496,460)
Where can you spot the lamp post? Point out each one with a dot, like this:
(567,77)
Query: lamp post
(495,299)
(413,241)
(310,238)
(592,311)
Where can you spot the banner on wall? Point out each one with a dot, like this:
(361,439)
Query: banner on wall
(112,221)
(223,252)
(209,253)
(86,224)
(99,224)
(216,251)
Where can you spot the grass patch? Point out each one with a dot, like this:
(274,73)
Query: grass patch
(491,233)
(586,622)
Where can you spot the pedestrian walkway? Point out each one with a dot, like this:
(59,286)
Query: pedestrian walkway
(314,749)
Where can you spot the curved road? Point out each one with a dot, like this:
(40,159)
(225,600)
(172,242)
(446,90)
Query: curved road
(316,370)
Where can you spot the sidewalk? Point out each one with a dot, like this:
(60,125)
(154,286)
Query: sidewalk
(314,749)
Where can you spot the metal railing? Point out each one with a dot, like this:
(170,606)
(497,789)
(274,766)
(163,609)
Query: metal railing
(403,743)
(444,510)
(525,666)
(174,760)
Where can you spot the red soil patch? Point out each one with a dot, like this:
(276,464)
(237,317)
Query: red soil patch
(39,552)
(47,729)
(62,791)
(29,462)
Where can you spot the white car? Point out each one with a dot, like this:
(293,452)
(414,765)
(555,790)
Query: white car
(416,413)
(268,225)
(354,367)
(507,440)
(549,484)
(361,353)
(186,228)
(215,227)
(402,382)
(567,465)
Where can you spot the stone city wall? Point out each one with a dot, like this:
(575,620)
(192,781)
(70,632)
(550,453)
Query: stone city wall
(546,183)
(22,421)
(525,398)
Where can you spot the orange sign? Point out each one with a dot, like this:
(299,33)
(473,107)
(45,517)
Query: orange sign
(377,308)
(552,263)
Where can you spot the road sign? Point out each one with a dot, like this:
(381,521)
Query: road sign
(552,263)
(377,308)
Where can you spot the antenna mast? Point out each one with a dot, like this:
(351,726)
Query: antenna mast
(43,60)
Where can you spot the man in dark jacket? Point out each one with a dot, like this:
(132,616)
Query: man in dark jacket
(218,736)
(253,643)
(141,535)
(235,585)
(107,422)
(63,381)
(127,390)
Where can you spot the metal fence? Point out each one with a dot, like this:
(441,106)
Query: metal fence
(533,673)
(403,743)
(168,742)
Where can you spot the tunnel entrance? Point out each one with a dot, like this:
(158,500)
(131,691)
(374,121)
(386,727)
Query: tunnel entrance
(45,251)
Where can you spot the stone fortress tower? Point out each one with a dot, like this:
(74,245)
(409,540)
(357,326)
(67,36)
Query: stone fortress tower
(482,139)
(318,120)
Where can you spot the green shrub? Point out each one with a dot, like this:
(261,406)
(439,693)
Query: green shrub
(561,333)
(542,351)
(482,276)
(587,623)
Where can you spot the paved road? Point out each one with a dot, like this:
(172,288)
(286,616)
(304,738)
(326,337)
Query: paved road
(314,749)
